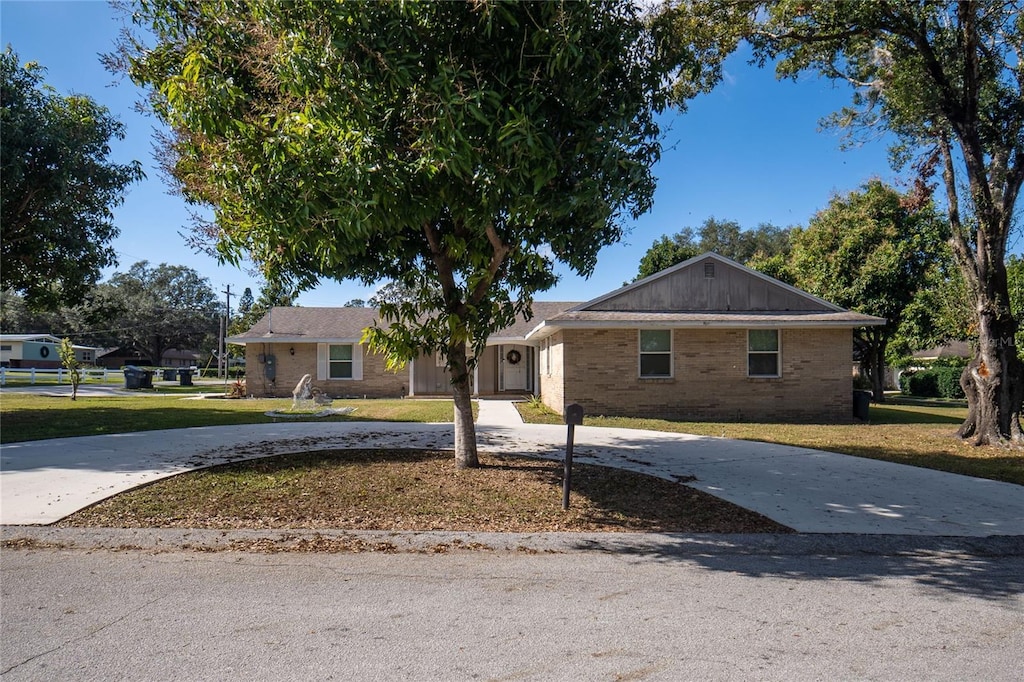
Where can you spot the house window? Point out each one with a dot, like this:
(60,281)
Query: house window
(763,353)
(655,353)
(340,362)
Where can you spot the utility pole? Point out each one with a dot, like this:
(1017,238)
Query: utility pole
(222,364)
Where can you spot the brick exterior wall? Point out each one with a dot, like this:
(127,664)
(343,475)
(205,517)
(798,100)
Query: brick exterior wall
(552,378)
(599,370)
(377,381)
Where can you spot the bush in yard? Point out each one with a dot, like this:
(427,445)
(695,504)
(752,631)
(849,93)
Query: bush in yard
(923,384)
(937,382)
(948,380)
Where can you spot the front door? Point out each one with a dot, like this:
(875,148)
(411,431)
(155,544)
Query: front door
(514,368)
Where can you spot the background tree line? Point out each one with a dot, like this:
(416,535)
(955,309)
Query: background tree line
(145,310)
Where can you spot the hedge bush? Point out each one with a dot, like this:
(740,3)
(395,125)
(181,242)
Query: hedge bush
(949,382)
(937,382)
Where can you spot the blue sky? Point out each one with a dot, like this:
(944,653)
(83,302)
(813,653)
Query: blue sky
(751,151)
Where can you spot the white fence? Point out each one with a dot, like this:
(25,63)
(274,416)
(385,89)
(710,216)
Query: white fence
(46,375)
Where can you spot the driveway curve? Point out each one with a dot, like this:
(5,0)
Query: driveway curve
(808,490)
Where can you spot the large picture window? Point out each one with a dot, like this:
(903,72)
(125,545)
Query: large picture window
(763,353)
(655,353)
(340,362)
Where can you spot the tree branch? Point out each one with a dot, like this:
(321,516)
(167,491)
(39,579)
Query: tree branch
(957,240)
(445,270)
(501,251)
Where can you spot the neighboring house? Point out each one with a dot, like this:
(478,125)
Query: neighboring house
(173,357)
(953,349)
(705,339)
(40,351)
(116,358)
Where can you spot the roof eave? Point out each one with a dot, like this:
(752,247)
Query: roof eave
(556,325)
(284,338)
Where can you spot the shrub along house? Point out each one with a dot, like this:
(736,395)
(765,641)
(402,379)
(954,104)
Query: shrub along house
(705,339)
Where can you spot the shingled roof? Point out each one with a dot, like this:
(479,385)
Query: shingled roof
(705,291)
(346,325)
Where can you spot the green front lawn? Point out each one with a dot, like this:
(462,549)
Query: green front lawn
(33,417)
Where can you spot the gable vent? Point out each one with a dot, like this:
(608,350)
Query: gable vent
(709,269)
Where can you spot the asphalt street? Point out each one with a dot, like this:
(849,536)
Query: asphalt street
(715,612)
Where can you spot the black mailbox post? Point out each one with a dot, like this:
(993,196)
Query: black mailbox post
(573,416)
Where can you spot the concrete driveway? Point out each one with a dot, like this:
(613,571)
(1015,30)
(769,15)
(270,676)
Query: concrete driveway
(808,490)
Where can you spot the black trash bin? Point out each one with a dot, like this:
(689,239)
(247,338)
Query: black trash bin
(185,377)
(132,377)
(861,404)
(170,374)
(136,377)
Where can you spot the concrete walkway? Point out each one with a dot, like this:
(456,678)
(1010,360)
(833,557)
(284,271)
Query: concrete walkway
(807,490)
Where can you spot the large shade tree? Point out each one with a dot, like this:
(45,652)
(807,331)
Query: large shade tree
(459,149)
(58,187)
(945,78)
(870,251)
(151,309)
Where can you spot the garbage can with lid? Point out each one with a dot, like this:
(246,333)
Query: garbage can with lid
(861,404)
(185,377)
(170,374)
(132,377)
(136,377)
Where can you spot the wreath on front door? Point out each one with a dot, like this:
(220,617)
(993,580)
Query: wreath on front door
(513,357)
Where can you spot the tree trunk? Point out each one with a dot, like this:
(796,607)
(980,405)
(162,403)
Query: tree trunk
(465,429)
(994,383)
(878,372)
(156,350)
(872,343)
(994,380)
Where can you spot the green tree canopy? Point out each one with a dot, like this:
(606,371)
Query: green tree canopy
(724,237)
(945,78)
(146,309)
(151,309)
(869,251)
(57,187)
(446,146)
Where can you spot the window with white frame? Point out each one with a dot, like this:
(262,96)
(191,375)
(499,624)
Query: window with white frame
(763,353)
(339,363)
(655,353)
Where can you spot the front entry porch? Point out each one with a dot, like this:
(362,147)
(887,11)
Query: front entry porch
(503,369)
